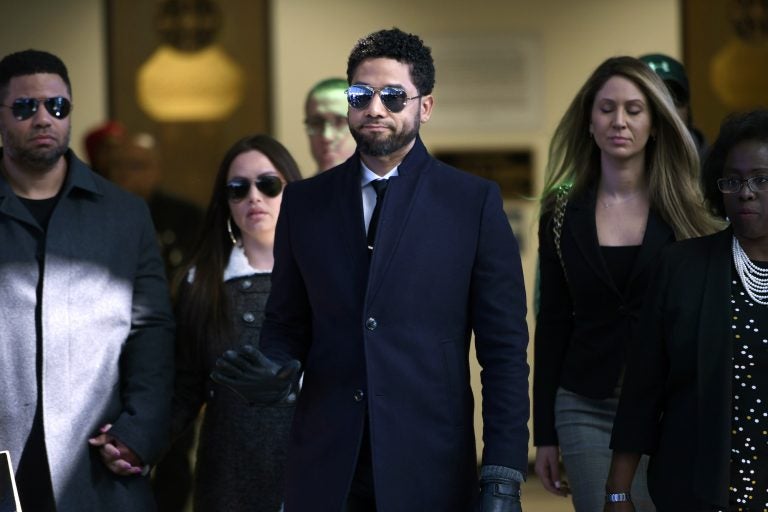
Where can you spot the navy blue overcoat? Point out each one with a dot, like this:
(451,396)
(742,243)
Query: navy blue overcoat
(389,335)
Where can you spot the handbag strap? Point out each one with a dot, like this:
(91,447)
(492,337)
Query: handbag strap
(561,200)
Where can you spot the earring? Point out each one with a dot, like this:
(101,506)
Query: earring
(229,230)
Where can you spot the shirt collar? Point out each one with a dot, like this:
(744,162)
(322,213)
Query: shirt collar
(367,175)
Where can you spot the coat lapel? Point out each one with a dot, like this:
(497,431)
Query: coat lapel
(348,202)
(715,352)
(398,204)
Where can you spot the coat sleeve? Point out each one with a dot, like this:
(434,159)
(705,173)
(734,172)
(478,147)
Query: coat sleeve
(146,361)
(554,324)
(287,328)
(190,371)
(498,309)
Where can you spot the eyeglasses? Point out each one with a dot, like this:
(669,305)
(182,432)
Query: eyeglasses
(239,188)
(733,185)
(24,108)
(394,99)
(317,125)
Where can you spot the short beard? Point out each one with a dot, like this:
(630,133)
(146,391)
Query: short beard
(373,146)
(39,160)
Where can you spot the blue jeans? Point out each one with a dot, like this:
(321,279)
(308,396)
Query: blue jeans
(584,430)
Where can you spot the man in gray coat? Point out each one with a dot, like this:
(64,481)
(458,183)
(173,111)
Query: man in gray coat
(86,330)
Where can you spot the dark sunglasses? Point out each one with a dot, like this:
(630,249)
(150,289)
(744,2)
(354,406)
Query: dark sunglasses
(239,188)
(24,108)
(394,99)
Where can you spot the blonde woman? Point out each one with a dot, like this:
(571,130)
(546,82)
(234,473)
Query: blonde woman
(632,174)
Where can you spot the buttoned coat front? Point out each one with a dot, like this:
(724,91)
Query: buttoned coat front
(390,337)
(107,337)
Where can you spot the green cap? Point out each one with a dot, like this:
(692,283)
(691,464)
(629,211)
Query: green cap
(671,71)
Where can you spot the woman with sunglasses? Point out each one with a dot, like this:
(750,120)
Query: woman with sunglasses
(697,371)
(631,170)
(241,449)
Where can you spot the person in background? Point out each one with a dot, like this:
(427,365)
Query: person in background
(240,463)
(86,334)
(694,394)
(676,79)
(621,184)
(325,119)
(133,162)
(98,142)
(384,266)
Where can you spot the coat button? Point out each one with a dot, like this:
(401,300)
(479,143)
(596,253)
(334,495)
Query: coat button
(358,395)
(246,284)
(371,324)
(249,317)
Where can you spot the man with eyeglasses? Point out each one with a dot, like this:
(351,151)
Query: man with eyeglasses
(381,324)
(86,331)
(325,120)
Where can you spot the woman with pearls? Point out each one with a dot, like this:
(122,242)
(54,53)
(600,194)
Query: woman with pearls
(695,385)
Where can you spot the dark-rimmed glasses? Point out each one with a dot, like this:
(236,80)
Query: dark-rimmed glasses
(239,188)
(393,98)
(24,108)
(733,185)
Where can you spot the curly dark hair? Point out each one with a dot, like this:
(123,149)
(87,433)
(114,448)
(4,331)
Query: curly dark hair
(395,44)
(736,128)
(30,62)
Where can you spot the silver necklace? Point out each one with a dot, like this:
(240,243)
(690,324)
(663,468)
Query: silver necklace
(623,200)
(753,278)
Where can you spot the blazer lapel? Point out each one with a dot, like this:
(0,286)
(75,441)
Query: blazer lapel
(580,219)
(657,235)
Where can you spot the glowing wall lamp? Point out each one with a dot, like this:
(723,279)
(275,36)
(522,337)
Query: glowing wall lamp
(188,78)
(739,70)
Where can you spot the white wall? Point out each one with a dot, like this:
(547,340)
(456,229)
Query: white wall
(74,30)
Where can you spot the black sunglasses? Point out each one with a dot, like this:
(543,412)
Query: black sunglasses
(239,188)
(24,108)
(394,99)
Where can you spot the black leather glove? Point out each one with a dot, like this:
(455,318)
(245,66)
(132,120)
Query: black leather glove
(257,379)
(499,490)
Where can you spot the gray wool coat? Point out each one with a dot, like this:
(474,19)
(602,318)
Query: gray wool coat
(107,337)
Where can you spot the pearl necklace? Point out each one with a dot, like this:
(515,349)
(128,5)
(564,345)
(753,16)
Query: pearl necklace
(753,278)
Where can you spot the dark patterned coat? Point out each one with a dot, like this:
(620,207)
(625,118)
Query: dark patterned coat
(240,460)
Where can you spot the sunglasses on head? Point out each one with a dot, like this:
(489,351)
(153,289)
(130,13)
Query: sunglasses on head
(393,98)
(239,188)
(24,108)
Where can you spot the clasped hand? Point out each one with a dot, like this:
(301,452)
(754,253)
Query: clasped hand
(120,459)
(254,377)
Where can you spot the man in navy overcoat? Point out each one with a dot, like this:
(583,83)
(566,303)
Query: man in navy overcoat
(382,326)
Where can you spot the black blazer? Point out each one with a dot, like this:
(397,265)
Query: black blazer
(584,321)
(676,399)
